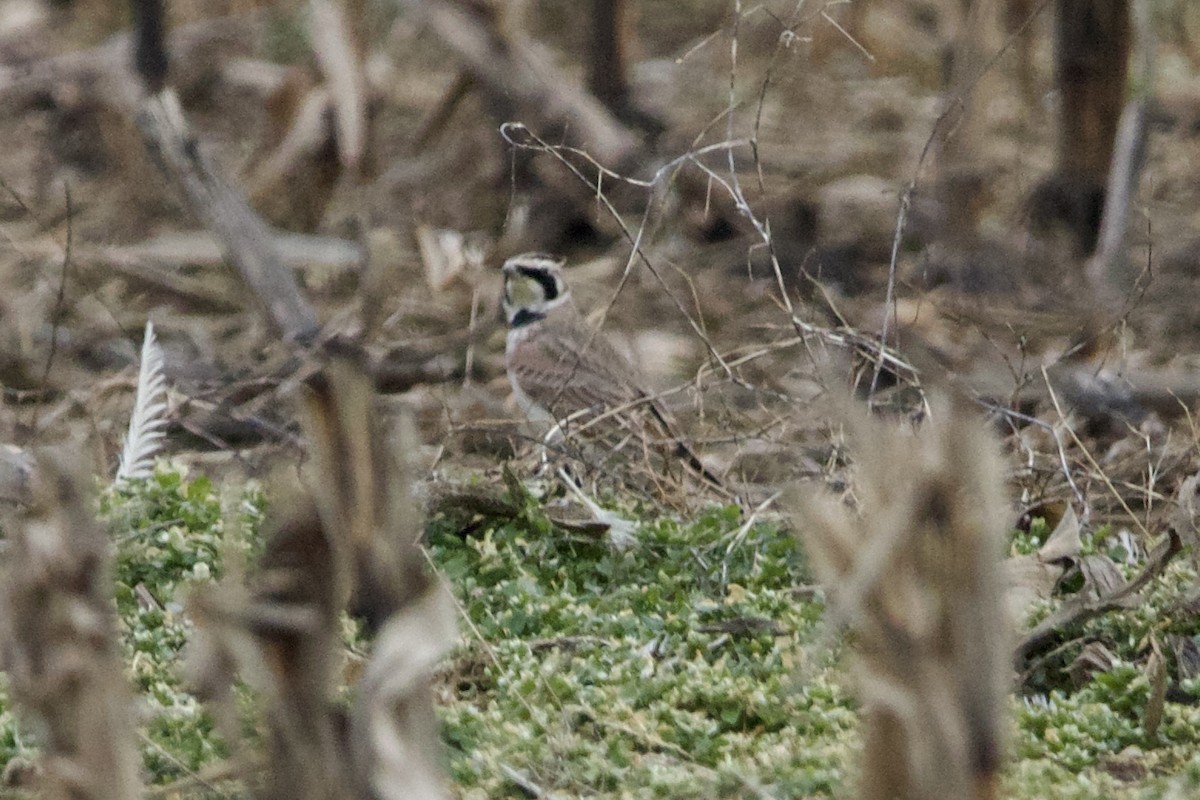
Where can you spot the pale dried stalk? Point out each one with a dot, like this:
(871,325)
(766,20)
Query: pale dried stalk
(358,545)
(339,54)
(516,72)
(394,737)
(366,503)
(248,243)
(283,639)
(916,577)
(360,549)
(58,639)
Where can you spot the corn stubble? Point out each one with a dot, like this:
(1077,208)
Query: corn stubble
(58,643)
(914,575)
(351,545)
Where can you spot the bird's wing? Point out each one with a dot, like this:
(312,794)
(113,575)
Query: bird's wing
(566,368)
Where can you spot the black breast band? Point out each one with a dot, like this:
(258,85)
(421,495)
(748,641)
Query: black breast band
(524,317)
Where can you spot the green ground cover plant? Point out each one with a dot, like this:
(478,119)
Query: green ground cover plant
(695,665)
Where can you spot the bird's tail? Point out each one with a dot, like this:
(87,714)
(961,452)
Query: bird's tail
(685,453)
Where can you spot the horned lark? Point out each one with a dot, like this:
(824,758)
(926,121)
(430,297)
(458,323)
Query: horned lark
(567,376)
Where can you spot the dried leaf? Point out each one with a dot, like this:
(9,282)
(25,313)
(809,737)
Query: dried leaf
(1064,542)
(1051,512)
(1156,673)
(1029,580)
(1184,519)
(1187,656)
(1095,657)
(1101,576)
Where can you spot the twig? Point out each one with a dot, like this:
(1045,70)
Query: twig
(1088,455)
(202,248)
(952,105)
(434,121)
(61,292)
(508,129)
(527,787)
(743,530)
(245,237)
(1058,443)
(866,53)
(1080,611)
(59,297)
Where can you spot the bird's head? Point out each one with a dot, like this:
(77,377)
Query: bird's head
(533,287)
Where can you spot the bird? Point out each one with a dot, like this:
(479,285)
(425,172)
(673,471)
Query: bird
(567,377)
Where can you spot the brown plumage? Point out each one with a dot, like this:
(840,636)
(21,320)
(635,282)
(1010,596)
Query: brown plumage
(566,374)
(564,367)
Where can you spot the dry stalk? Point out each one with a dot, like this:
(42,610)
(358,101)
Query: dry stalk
(352,540)
(916,578)
(394,740)
(516,74)
(58,642)
(336,29)
(282,638)
(247,241)
(359,492)
(365,499)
